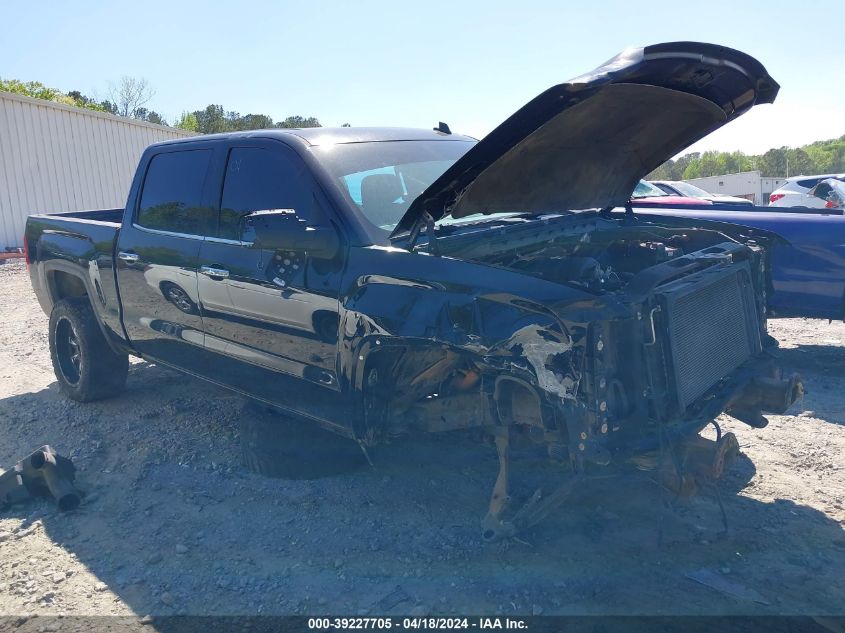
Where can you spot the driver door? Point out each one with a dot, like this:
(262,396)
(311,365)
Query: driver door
(273,316)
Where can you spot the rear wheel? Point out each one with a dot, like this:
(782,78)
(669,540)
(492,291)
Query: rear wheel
(277,445)
(85,366)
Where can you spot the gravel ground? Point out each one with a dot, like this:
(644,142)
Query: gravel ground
(172,524)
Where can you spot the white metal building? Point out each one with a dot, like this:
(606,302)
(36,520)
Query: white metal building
(55,157)
(745,184)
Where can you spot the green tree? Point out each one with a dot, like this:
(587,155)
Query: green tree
(37,90)
(820,157)
(149,115)
(693,170)
(682,163)
(82,101)
(773,162)
(155,117)
(108,106)
(254,122)
(299,121)
(188,121)
(129,98)
(212,120)
(799,162)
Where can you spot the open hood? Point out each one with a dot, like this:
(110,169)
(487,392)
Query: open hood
(586,143)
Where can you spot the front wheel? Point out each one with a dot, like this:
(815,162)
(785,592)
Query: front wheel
(85,366)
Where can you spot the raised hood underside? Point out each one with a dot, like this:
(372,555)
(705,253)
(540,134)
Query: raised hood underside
(586,143)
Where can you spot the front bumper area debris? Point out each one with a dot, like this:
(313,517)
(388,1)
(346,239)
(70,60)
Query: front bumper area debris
(772,394)
(496,525)
(694,464)
(43,473)
(685,466)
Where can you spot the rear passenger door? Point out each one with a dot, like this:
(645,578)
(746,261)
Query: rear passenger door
(274,315)
(157,252)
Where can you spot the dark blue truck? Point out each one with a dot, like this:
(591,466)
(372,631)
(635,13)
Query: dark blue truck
(385,281)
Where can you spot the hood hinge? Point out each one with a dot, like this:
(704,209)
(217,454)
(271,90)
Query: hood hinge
(429,232)
(424,220)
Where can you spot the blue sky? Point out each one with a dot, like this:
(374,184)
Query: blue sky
(403,63)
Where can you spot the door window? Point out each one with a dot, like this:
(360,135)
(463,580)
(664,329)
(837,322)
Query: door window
(259,179)
(172,196)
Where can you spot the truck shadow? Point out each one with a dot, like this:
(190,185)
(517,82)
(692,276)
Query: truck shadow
(173,525)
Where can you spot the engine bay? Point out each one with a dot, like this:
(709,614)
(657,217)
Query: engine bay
(605,268)
(596,254)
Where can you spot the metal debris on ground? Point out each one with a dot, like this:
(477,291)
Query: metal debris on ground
(43,473)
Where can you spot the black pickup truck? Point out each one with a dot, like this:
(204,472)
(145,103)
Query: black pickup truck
(384,281)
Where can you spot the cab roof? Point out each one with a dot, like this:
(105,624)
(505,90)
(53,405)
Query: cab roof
(331,135)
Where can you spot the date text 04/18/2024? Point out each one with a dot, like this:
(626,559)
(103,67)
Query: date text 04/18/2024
(416,623)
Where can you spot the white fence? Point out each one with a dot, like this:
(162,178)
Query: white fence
(55,157)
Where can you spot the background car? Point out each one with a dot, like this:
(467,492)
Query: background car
(681,188)
(831,191)
(646,194)
(795,192)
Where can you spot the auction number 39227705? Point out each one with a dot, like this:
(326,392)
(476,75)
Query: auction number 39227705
(415,623)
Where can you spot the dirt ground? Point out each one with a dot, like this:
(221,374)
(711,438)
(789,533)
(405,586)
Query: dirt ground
(172,524)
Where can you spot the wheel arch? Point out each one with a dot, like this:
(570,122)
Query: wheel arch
(66,281)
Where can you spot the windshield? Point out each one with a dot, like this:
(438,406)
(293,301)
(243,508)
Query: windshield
(689,190)
(647,190)
(382,178)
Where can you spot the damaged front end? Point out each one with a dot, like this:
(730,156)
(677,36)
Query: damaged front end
(690,345)
(664,332)
(537,310)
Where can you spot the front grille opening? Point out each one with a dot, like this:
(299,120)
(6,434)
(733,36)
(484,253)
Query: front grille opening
(712,328)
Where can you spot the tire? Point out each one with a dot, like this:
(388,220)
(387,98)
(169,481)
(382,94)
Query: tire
(276,445)
(85,366)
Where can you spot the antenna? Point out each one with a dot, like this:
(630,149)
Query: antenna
(443,128)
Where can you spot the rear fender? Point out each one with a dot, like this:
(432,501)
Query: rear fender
(71,266)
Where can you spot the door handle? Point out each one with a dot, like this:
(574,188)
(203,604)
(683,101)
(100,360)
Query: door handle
(211,271)
(129,258)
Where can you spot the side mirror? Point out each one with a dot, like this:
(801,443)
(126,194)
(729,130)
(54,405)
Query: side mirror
(282,230)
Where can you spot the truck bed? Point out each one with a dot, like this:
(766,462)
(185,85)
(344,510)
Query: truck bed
(111,216)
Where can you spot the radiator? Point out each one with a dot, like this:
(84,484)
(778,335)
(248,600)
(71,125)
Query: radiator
(712,327)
